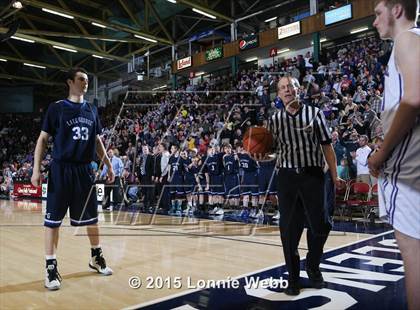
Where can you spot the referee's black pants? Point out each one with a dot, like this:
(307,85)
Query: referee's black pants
(301,200)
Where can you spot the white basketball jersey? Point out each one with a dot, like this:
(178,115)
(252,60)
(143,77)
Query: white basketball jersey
(404,163)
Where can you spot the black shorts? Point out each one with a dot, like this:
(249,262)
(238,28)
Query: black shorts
(71,186)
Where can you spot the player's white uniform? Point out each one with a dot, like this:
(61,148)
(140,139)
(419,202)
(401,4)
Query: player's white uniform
(399,184)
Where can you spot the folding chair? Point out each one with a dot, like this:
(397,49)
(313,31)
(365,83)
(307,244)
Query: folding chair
(357,197)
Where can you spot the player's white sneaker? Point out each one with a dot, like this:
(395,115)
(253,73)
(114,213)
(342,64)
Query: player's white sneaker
(52,278)
(97,262)
(213,211)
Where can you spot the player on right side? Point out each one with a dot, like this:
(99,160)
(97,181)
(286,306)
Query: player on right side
(397,162)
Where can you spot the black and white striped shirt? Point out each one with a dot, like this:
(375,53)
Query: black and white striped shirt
(298,138)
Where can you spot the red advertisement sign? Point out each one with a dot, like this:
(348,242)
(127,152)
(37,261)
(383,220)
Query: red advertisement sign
(184,63)
(273,52)
(26,190)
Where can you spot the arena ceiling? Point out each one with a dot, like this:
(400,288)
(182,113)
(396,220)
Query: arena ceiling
(103,36)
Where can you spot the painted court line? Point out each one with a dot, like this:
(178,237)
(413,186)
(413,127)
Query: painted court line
(152,302)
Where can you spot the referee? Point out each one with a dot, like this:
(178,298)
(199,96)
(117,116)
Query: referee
(302,141)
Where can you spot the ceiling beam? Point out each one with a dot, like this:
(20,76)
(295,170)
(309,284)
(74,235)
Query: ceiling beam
(116,46)
(140,50)
(80,49)
(53,50)
(21,59)
(28,79)
(129,13)
(205,9)
(5,9)
(15,50)
(111,25)
(51,66)
(94,5)
(181,24)
(156,15)
(198,21)
(146,15)
(82,29)
(198,17)
(46,21)
(71,35)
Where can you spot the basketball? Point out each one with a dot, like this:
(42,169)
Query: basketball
(257,140)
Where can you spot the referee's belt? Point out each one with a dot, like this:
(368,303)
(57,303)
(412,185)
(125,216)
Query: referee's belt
(308,170)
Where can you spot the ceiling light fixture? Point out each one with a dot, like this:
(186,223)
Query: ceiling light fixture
(64,49)
(145,38)
(251,59)
(284,50)
(101,57)
(359,30)
(204,13)
(270,19)
(98,25)
(22,39)
(35,66)
(17,5)
(58,13)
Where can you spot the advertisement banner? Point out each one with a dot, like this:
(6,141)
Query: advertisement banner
(26,190)
(214,53)
(288,30)
(248,42)
(184,63)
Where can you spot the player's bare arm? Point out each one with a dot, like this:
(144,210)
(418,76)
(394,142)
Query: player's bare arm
(407,46)
(41,146)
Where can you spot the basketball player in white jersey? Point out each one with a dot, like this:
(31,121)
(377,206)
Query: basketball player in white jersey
(397,162)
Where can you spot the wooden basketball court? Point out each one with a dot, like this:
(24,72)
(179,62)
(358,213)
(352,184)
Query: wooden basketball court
(134,244)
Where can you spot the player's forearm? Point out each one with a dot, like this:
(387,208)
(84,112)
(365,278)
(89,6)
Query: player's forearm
(41,146)
(404,121)
(330,159)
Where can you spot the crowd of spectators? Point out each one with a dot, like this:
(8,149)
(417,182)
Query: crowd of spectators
(346,84)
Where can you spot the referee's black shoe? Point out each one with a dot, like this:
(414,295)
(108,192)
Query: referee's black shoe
(315,278)
(293,289)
